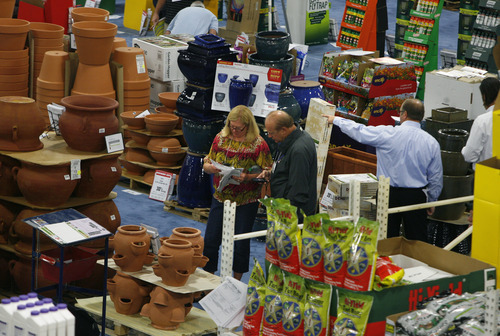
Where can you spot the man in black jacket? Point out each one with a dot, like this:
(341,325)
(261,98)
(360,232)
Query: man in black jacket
(294,171)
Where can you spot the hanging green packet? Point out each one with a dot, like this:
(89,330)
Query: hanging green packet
(273,304)
(317,308)
(363,256)
(271,251)
(311,254)
(294,289)
(353,310)
(287,236)
(336,248)
(254,308)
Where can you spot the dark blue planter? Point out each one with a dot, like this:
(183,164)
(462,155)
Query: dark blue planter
(272,45)
(303,91)
(222,77)
(254,79)
(285,64)
(194,185)
(199,134)
(195,101)
(289,104)
(239,92)
(272,93)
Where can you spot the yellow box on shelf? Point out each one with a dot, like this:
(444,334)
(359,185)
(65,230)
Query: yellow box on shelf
(132,16)
(487,177)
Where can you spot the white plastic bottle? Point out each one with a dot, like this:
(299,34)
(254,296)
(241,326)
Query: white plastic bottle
(70,319)
(32,297)
(7,308)
(18,321)
(50,321)
(36,325)
(48,302)
(60,320)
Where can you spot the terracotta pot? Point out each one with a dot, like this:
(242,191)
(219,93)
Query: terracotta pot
(138,155)
(7,8)
(106,214)
(94,41)
(177,261)
(46,30)
(13,33)
(47,99)
(20,270)
(164,109)
(14,54)
(48,186)
(89,14)
(167,145)
(87,120)
(167,309)
(21,124)
(47,42)
(142,107)
(53,66)
(119,42)
(48,92)
(131,244)
(190,234)
(14,70)
(41,50)
(137,85)
(95,80)
(136,100)
(99,177)
(14,78)
(128,293)
(140,138)
(133,61)
(13,86)
(161,123)
(15,62)
(132,168)
(169,99)
(7,216)
(16,93)
(135,93)
(8,186)
(22,233)
(43,84)
(131,120)
(168,159)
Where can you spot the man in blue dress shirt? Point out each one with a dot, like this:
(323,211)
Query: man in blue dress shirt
(411,158)
(194,20)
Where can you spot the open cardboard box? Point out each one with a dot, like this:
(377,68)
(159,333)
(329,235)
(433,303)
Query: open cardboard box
(247,22)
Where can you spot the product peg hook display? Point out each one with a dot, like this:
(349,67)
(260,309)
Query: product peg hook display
(227,239)
(383,205)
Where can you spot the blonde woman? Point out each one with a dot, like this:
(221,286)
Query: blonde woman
(238,145)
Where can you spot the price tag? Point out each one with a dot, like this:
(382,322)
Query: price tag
(141,64)
(327,199)
(114,142)
(75,168)
(163,185)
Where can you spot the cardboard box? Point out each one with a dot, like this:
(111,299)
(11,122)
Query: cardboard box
(161,55)
(247,21)
(488,175)
(160,86)
(339,184)
(469,275)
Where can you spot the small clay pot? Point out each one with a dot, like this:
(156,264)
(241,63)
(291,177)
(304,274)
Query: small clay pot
(133,61)
(142,107)
(164,109)
(52,86)
(13,86)
(190,234)
(138,155)
(7,8)
(161,123)
(47,42)
(22,233)
(131,244)
(131,101)
(166,145)
(140,138)
(99,177)
(119,42)
(23,69)
(87,120)
(89,14)
(14,54)
(168,159)
(175,262)
(94,41)
(137,85)
(16,93)
(53,66)
(135,94)
(128,294)
(131,120)
(41,50)
(13,33)
(14,78)
(46,30)
(169,99)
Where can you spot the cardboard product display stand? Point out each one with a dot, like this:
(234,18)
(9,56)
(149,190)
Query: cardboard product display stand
(469,9)
(359,25)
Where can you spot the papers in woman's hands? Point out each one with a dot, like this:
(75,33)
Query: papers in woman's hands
(227,173)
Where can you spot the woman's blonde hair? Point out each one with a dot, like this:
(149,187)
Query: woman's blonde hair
(243,114)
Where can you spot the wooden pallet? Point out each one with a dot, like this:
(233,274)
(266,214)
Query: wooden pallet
(197,214)
(197,321)
(136,182)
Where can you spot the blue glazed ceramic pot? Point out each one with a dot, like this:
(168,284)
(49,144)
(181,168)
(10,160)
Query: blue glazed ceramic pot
(195,101)
(272,45)
(289,104)
(194,185)
(239,91)
(199,134)
(254,78)
(272,93)
(285,64)
(222,77)
(303,91)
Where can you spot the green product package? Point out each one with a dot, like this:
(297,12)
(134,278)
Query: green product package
(254,309)
(294,289)
(317,308)
(311,254)
(338,238)
(273,303)
(353,311)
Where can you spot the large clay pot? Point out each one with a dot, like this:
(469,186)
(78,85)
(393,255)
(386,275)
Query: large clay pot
(106,214)
(22,233)
(131,244)
(46,30)
(190,234)
(7,8)
(8,186)
(99,177)
(7,216)
(272,45)
(167,309)
(94,41)
(134,63)
(128,293)
(93,80)
(87,120)
(21,124)
(89,14)
(194,188)
(303,91)
(20,270)
(47,186)
(13,33)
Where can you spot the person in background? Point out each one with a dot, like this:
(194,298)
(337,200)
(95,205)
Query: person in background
(411,158)
(479,145)
(238,145)
(194,20)
(164,12)
(294,172)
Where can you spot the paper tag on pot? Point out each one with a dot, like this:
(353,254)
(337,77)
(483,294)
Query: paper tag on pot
(143,114)
(141,64)
(114,142)
(76,172)
(164,150)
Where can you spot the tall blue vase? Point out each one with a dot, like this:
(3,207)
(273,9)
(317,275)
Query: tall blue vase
(194,188)
(199,133)
(240,91)
(303,91)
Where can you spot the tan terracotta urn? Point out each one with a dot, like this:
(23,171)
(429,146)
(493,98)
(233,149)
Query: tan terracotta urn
(21,124)
(131,244)
(87,120)
(94,41)
(22,234)
(8,185)
(99,177)
(167,309)
(13,33)
(128,294)
(106,214)
(190,234)
(7,8)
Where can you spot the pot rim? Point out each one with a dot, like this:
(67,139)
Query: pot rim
(459,132)
(97,103)
(262,34)
(13,26)
(94,29)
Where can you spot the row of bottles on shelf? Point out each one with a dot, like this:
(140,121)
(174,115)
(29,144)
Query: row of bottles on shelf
(349,37)
(420,25)
(477,64)
(360,2)
(427,6)
(354,16)
(483,39)
(414,52)
(488,17)
(419,71)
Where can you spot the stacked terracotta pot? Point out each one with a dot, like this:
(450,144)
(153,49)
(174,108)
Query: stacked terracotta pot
(80,14)
(14,58)
(7,8)
(136,81)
